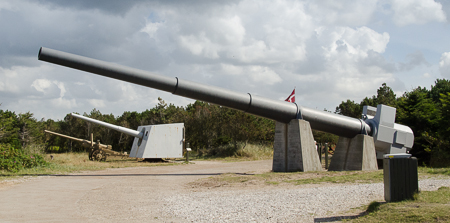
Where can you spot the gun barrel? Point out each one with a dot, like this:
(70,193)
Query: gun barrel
(273,109)
(84,141)
(127,131)
(65,136)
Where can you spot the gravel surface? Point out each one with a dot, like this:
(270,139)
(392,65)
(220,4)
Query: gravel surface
(280,205)
(166,194)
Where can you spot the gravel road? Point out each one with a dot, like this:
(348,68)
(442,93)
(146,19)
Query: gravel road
(162,194)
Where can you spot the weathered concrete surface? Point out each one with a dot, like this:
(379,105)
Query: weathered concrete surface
(356,153)
(294,148)
(280,148)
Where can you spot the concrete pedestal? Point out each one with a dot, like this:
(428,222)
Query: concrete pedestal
(294,148)
(356,153)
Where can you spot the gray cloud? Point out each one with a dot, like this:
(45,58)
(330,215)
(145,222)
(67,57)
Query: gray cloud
(109,6)
(414,59)
(326,49)
(445,7)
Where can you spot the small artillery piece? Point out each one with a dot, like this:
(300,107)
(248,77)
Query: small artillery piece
(97,152)
(151,141)
(361,141)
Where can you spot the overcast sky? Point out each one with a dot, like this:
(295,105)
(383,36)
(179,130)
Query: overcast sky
(328,50)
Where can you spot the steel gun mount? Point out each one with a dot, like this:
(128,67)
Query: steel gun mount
(150,141)
(294,148)
(98,152)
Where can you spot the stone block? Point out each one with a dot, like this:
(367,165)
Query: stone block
(294,148)
(279,148)
(357,153)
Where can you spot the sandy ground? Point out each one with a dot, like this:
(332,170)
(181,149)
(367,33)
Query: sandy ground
(112,195)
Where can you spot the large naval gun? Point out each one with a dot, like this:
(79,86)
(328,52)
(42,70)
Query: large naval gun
(294,150)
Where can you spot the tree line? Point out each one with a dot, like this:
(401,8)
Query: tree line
(210,129)
(214,130)
(425,111)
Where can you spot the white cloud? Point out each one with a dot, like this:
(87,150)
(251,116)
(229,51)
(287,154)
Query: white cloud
(48,87)
(330,50)
(444,65)
(61,87)
(263,75)
(7,85)
(343,13)
(97,103)
(357,42)
(345,52)
(231,69)
(151,28)
(408,12)
(41,84)
(200,45)
(62,103)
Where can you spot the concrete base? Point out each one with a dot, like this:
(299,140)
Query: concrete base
(294,148)
(356,153)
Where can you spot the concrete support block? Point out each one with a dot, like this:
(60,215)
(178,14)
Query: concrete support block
(294,148)
(356,153)
(280,148)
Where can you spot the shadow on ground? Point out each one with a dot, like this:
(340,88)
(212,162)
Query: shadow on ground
(338,218)
(128,175)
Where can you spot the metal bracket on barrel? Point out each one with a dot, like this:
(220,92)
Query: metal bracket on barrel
(299,112)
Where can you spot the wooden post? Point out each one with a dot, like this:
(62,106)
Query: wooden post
(326,156)
(187,152)
(319,151)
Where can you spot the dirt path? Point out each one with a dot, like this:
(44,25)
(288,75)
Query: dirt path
(112,195)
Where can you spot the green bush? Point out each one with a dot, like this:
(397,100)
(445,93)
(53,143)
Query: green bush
(13,159)
(53,149)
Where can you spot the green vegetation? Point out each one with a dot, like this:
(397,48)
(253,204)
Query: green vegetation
(244,152)
(12,159)
(434,171)
(428,206)
(227,130)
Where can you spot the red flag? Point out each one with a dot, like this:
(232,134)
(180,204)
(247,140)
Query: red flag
(291,97)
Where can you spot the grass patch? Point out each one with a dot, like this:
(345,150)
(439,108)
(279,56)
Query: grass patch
(64,163)
(234,179)
(272,182)
(434,171)
(319,177)
(254,152)
(296,178)
(230,153)
(346,177)
(428,206)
